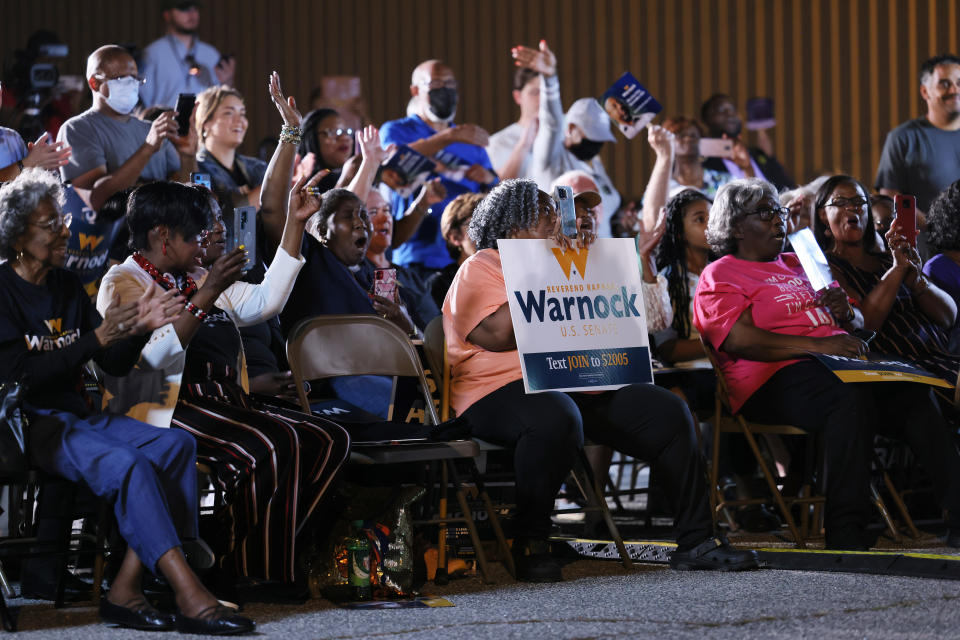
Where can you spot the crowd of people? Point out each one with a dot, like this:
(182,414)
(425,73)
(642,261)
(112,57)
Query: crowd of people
(186,333)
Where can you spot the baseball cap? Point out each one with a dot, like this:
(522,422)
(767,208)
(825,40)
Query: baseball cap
(587,114)
(590,199)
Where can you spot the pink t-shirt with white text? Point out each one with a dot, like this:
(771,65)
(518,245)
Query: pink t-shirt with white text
(780,300)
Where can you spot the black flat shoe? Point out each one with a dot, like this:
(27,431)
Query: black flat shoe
(714,554)
(143,617)
(75,589)
(216,620)
(534,562)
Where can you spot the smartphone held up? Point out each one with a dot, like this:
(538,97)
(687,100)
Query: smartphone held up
(905,213)
(244,233)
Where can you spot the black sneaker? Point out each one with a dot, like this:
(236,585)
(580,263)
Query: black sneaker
(534,562)
(714,554)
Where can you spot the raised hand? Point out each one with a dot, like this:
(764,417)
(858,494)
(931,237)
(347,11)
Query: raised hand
(226,270)
(286,106)
(370,149)
(46,154)
(187,144)
(304,198)
(432,192)
(540,60)
(661,140)
(226,69)
(647,241)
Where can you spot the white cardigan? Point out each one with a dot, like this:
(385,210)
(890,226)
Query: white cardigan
(149,392)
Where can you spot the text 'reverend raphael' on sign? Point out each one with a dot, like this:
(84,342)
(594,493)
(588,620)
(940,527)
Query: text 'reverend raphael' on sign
(578,314)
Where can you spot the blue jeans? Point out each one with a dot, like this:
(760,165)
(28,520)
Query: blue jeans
(148,473)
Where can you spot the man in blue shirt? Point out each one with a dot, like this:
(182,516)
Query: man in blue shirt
(459,149)
(179,62)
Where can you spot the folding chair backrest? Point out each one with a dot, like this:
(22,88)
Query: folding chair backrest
(353,345)
(433,345)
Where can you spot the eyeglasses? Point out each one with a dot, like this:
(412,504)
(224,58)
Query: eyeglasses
(440,84)
(769,213)
(847,203)
(387,209)
(336,133)
(105,78)
(55,225)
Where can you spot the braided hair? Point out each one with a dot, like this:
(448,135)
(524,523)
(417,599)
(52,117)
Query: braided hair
(672,253)
(510,206)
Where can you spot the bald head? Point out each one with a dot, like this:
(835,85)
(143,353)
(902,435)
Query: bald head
(107,55)
(426,71)
(577,180)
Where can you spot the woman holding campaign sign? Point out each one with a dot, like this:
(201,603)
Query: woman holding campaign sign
(910,314)
(756,308)
(545,429)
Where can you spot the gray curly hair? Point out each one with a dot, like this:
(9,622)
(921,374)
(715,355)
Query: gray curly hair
(511,206)
(734,201)
(19,198)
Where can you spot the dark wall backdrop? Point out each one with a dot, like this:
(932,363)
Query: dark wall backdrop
(842,72)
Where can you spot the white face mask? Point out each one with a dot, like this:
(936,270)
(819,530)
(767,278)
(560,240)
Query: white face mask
(124,93)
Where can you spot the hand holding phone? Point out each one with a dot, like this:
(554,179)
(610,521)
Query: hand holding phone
(905,213)
(385,284)
(716,147)
(244,233)
(185,102)
(567,210)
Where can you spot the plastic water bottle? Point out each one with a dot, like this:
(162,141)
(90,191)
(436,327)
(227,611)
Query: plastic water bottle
(359,573)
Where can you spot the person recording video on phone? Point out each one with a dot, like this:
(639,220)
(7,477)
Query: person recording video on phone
(180,62)
(719,114)
(111,149)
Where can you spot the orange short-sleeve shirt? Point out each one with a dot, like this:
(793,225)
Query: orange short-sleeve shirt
(477,291)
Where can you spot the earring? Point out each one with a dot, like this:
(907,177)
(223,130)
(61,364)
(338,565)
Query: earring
(164,247)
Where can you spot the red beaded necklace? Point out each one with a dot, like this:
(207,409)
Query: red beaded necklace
(187,289)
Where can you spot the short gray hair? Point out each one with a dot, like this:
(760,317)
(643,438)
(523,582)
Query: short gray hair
(19,198)
(734,201)
(511,206)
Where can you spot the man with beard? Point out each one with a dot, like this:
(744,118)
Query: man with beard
(179,62)
(719,114)
(920,156)
(460,149)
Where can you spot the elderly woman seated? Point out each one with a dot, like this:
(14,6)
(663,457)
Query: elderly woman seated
(756,307)
(48,330)
(546,429)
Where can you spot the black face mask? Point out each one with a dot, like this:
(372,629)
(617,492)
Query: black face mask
(443,102)
(585,149)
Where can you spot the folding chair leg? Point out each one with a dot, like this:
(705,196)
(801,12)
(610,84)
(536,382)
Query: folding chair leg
(471,525)
(771,483)
(9,623)
(63,549)
(103,522)
(901,507)
(505,551)
(594,488)
(882,508)
(441,576)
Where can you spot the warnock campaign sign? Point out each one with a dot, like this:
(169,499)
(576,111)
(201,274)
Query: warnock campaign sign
(577,315)
(878,368)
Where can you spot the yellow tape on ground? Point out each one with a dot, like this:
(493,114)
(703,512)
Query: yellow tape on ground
(905,554)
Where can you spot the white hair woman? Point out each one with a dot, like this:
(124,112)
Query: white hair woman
(756,307)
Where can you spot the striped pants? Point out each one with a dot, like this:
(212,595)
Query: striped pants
(274,465)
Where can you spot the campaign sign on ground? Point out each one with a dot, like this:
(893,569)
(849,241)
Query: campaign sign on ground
(577,315)
(878,368)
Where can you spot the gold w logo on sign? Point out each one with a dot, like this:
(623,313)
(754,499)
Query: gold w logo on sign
(54,325)
(89,241)
(569,258)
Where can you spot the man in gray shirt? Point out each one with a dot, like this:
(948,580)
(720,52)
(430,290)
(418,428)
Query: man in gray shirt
(922,157)
(112,150)
(179,62)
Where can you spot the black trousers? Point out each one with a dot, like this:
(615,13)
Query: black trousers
(546,430)
(848,415)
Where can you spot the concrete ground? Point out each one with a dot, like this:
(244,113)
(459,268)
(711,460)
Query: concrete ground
(601,599)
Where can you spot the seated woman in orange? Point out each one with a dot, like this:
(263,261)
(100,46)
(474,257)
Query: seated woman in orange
(546,429)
